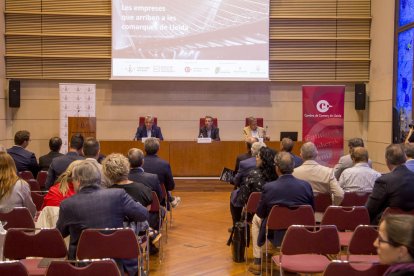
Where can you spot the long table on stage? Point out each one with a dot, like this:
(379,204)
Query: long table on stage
(189,158)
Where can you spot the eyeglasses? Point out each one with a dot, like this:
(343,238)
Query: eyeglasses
(381,240)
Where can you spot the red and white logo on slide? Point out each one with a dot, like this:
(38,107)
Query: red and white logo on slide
(187,69)
(323,106)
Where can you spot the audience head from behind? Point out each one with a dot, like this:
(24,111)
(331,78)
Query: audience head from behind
(208,122)
(359,155)
(308,151)
(265,161)
(116,167)
(395,242)
(395,156)
(409,150)
(252,121)
(86,174)
(284,163)
(8,175)
(149,122)
(286,144)
(22,138)
(66,178)
(76,143)
(256,148)
(136,158)
(355,142)
(55,144)
(91,148)
(151,146)
(250,141)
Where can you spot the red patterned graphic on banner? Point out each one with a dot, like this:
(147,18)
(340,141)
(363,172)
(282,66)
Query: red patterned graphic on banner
(323,120)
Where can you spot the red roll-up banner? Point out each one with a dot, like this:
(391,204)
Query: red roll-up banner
(323,120)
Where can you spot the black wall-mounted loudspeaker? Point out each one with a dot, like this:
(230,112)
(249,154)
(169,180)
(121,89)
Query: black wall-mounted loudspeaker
(14,93)
(360,96)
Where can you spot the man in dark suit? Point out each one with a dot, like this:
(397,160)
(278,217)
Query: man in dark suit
(249,142)
(55,143)
(285,191)
(154,164)
(394,189)
(95,207)
(60,164)
(287,145)
(247,165)
(25,160)
(149,130)
(209,130)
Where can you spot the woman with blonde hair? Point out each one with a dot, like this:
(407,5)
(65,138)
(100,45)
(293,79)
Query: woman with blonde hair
(63,187)
(14,191)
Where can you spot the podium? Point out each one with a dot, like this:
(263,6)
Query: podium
(82,125)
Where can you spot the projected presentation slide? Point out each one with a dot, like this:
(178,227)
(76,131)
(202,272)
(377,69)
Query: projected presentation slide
(190,39)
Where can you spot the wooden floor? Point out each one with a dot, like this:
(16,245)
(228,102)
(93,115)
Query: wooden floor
(197,240)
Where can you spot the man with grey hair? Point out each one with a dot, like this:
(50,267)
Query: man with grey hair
(409,152)
(285,191)
(320,177)
(252,130)
(95,207)
(154,164)
(287,145)
(346,160)
(247,165)
(149,129)
(394,189)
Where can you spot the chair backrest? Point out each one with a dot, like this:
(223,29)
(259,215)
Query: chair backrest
(362,240)
(164,191)
(397,211)
(12,268)
(83,268)
(304,239)
(202,122)
(26,175)
(345,218)
(38,198)
(107,243)
(34,185)
(355,198)
(259,122)
(280,218)
(18,217)
(142,121)
(21,243)
(155,204)
(322,201)
(41,178)
(253,202)
(344,268)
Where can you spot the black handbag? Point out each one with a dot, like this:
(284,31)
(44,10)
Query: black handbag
(238,242)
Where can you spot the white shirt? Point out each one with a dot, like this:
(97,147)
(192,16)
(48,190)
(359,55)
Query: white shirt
(359,178)
(148,132)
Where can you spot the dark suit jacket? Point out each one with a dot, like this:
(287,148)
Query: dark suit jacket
(297,159)
(59,165)
(394,189)
(155,132)
(214,133)
(287,190)
(24,159)
(94,207)
(154,164)
(244,168)
(46,160)
(148,179)
(240,158)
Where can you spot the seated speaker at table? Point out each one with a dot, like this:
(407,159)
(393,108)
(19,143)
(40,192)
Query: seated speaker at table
(148,129)
(209,129)
(253,129)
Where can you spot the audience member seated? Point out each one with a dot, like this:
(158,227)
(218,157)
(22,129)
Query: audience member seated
(154,164)
(287,145)
(252,130)
(14,192)
(346,160)
(285,191)
(395,244)
(249,142)
(247,165)
(320,177)
(148,130)
(95,207)
(409,152)
(25,160)
(137,173)
(209,130)
(91,149)
(55,143)
(61,163)
(394,189)
(62,189)
(360,177)
(264,172)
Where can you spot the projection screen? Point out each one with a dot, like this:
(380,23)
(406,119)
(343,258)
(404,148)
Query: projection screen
(190,39)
